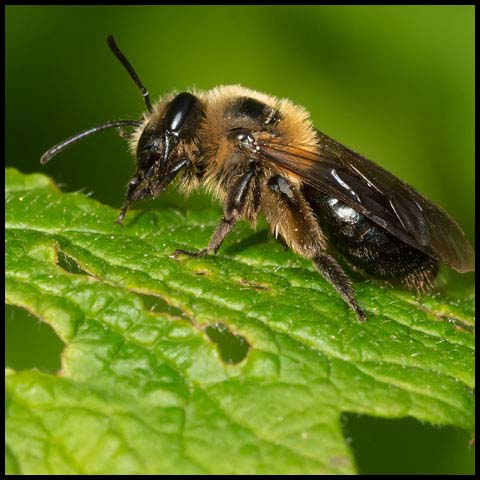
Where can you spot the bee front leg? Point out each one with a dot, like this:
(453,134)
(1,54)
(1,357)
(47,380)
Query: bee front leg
(238,199)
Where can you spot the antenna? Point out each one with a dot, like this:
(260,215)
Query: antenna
(131,71)
(51,152)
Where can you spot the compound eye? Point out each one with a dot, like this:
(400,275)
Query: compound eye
(178,111)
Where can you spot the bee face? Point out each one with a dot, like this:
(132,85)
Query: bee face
(160,144)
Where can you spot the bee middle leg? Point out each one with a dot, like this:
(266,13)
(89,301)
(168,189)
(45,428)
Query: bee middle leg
(238,200)
(222,230)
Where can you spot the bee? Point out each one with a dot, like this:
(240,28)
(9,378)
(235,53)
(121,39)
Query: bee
(262,155)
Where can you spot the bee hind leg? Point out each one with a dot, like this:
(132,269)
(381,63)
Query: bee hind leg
(333,273)
(290,212)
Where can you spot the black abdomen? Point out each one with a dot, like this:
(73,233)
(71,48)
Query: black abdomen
(367,246)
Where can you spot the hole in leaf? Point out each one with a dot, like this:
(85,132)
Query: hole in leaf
(256,286)
(69,264)
(233,348)
(155,303)
(202,273)
(460,324)
(406,446)
(30,343)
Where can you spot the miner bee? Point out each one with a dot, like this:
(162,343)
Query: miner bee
(260,154)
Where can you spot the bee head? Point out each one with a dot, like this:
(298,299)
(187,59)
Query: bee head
(159,150)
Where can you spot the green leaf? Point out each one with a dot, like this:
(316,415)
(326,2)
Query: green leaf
(238,363)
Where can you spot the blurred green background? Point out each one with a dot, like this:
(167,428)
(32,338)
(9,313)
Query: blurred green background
(393,83)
